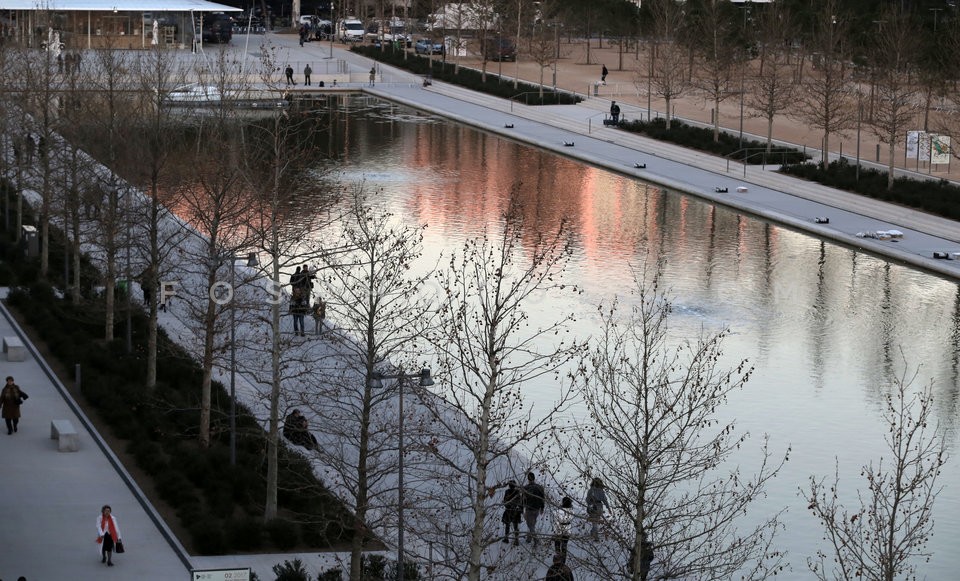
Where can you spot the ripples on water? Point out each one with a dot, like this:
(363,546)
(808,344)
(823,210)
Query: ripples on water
(823,325)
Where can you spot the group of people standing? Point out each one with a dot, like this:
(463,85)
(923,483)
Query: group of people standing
(529,502)
(301,283)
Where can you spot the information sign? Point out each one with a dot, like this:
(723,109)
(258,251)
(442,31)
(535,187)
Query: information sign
(220,575)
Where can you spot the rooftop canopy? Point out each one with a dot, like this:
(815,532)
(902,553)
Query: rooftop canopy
(116,5)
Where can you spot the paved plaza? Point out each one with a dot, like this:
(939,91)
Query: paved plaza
(52,498)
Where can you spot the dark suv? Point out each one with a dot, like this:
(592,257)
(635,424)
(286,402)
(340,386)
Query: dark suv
(501,49)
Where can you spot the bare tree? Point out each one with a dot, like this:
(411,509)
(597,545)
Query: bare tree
(375,299)
(654,438)
(825,98)
(112,98)
(543,48)
(895,54)
(40,75)
(717,55)
(771,90)
(665,76)
(214,199)
(275,159)
(489,350)
(882,537)
(156,72)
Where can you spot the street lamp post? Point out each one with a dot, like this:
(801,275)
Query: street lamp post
(376,382)
(251,262)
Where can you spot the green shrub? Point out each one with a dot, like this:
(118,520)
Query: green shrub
(283,533)
(294,571)
(207,537)
(473,79)
(937,197)
(245,534)
(335,574)
(175,489)
(701,139)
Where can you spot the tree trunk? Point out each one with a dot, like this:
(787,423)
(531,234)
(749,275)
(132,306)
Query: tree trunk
(360,512)
(209,338)
(270,508)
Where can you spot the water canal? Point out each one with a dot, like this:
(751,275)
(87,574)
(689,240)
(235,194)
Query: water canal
(824,325)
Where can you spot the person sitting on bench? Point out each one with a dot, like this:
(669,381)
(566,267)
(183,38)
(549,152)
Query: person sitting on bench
(297,430)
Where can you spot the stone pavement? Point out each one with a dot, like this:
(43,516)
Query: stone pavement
(51,499)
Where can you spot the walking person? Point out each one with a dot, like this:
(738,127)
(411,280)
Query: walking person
(603,75)
(10,400)
(108,535)
(373,75)
(512,509)
(534,499)
(614,111)
(289,72)
(562,524)
(306,74)
(596,501)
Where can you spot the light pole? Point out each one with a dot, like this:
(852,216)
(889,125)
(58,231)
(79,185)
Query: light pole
(935,11)
(376,382)
(251,262)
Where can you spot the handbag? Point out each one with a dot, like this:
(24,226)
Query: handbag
(119,547)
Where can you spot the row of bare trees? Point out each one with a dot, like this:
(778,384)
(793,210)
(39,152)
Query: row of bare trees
(182,198)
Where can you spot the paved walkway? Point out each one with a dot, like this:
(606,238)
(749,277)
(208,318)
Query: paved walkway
(51,499)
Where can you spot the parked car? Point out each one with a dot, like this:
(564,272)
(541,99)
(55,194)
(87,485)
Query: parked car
(501,49)
(350,30)
(427,46)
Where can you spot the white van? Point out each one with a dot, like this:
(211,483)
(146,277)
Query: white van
(350,29)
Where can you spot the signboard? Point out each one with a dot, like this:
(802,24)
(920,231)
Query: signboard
(923,153)
(220,574)
(913,144)
(939,149)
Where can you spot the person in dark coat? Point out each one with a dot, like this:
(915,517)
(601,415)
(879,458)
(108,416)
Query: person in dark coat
(596,501)
(10,399)
(603,74)
(289,73)
(534,500)
(512,510)
(297,430)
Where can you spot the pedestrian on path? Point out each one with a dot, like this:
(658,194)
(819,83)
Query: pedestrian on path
(534,499)
(289,72)
(108,535)
(603,75)
(373,74)
(512,509)
(614,111)
(562,523)
(306,74)
(596,501)
(10,399)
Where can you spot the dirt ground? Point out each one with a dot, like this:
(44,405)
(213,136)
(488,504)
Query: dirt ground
(575,72)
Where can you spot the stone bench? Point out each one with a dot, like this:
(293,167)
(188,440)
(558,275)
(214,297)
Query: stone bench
(66,435)
(14,348)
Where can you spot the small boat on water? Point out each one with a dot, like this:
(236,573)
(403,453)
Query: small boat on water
(199,95)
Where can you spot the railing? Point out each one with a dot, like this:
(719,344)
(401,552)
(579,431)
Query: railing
(762,152)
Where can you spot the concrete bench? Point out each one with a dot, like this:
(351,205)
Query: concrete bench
(66,435)
(14,348)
